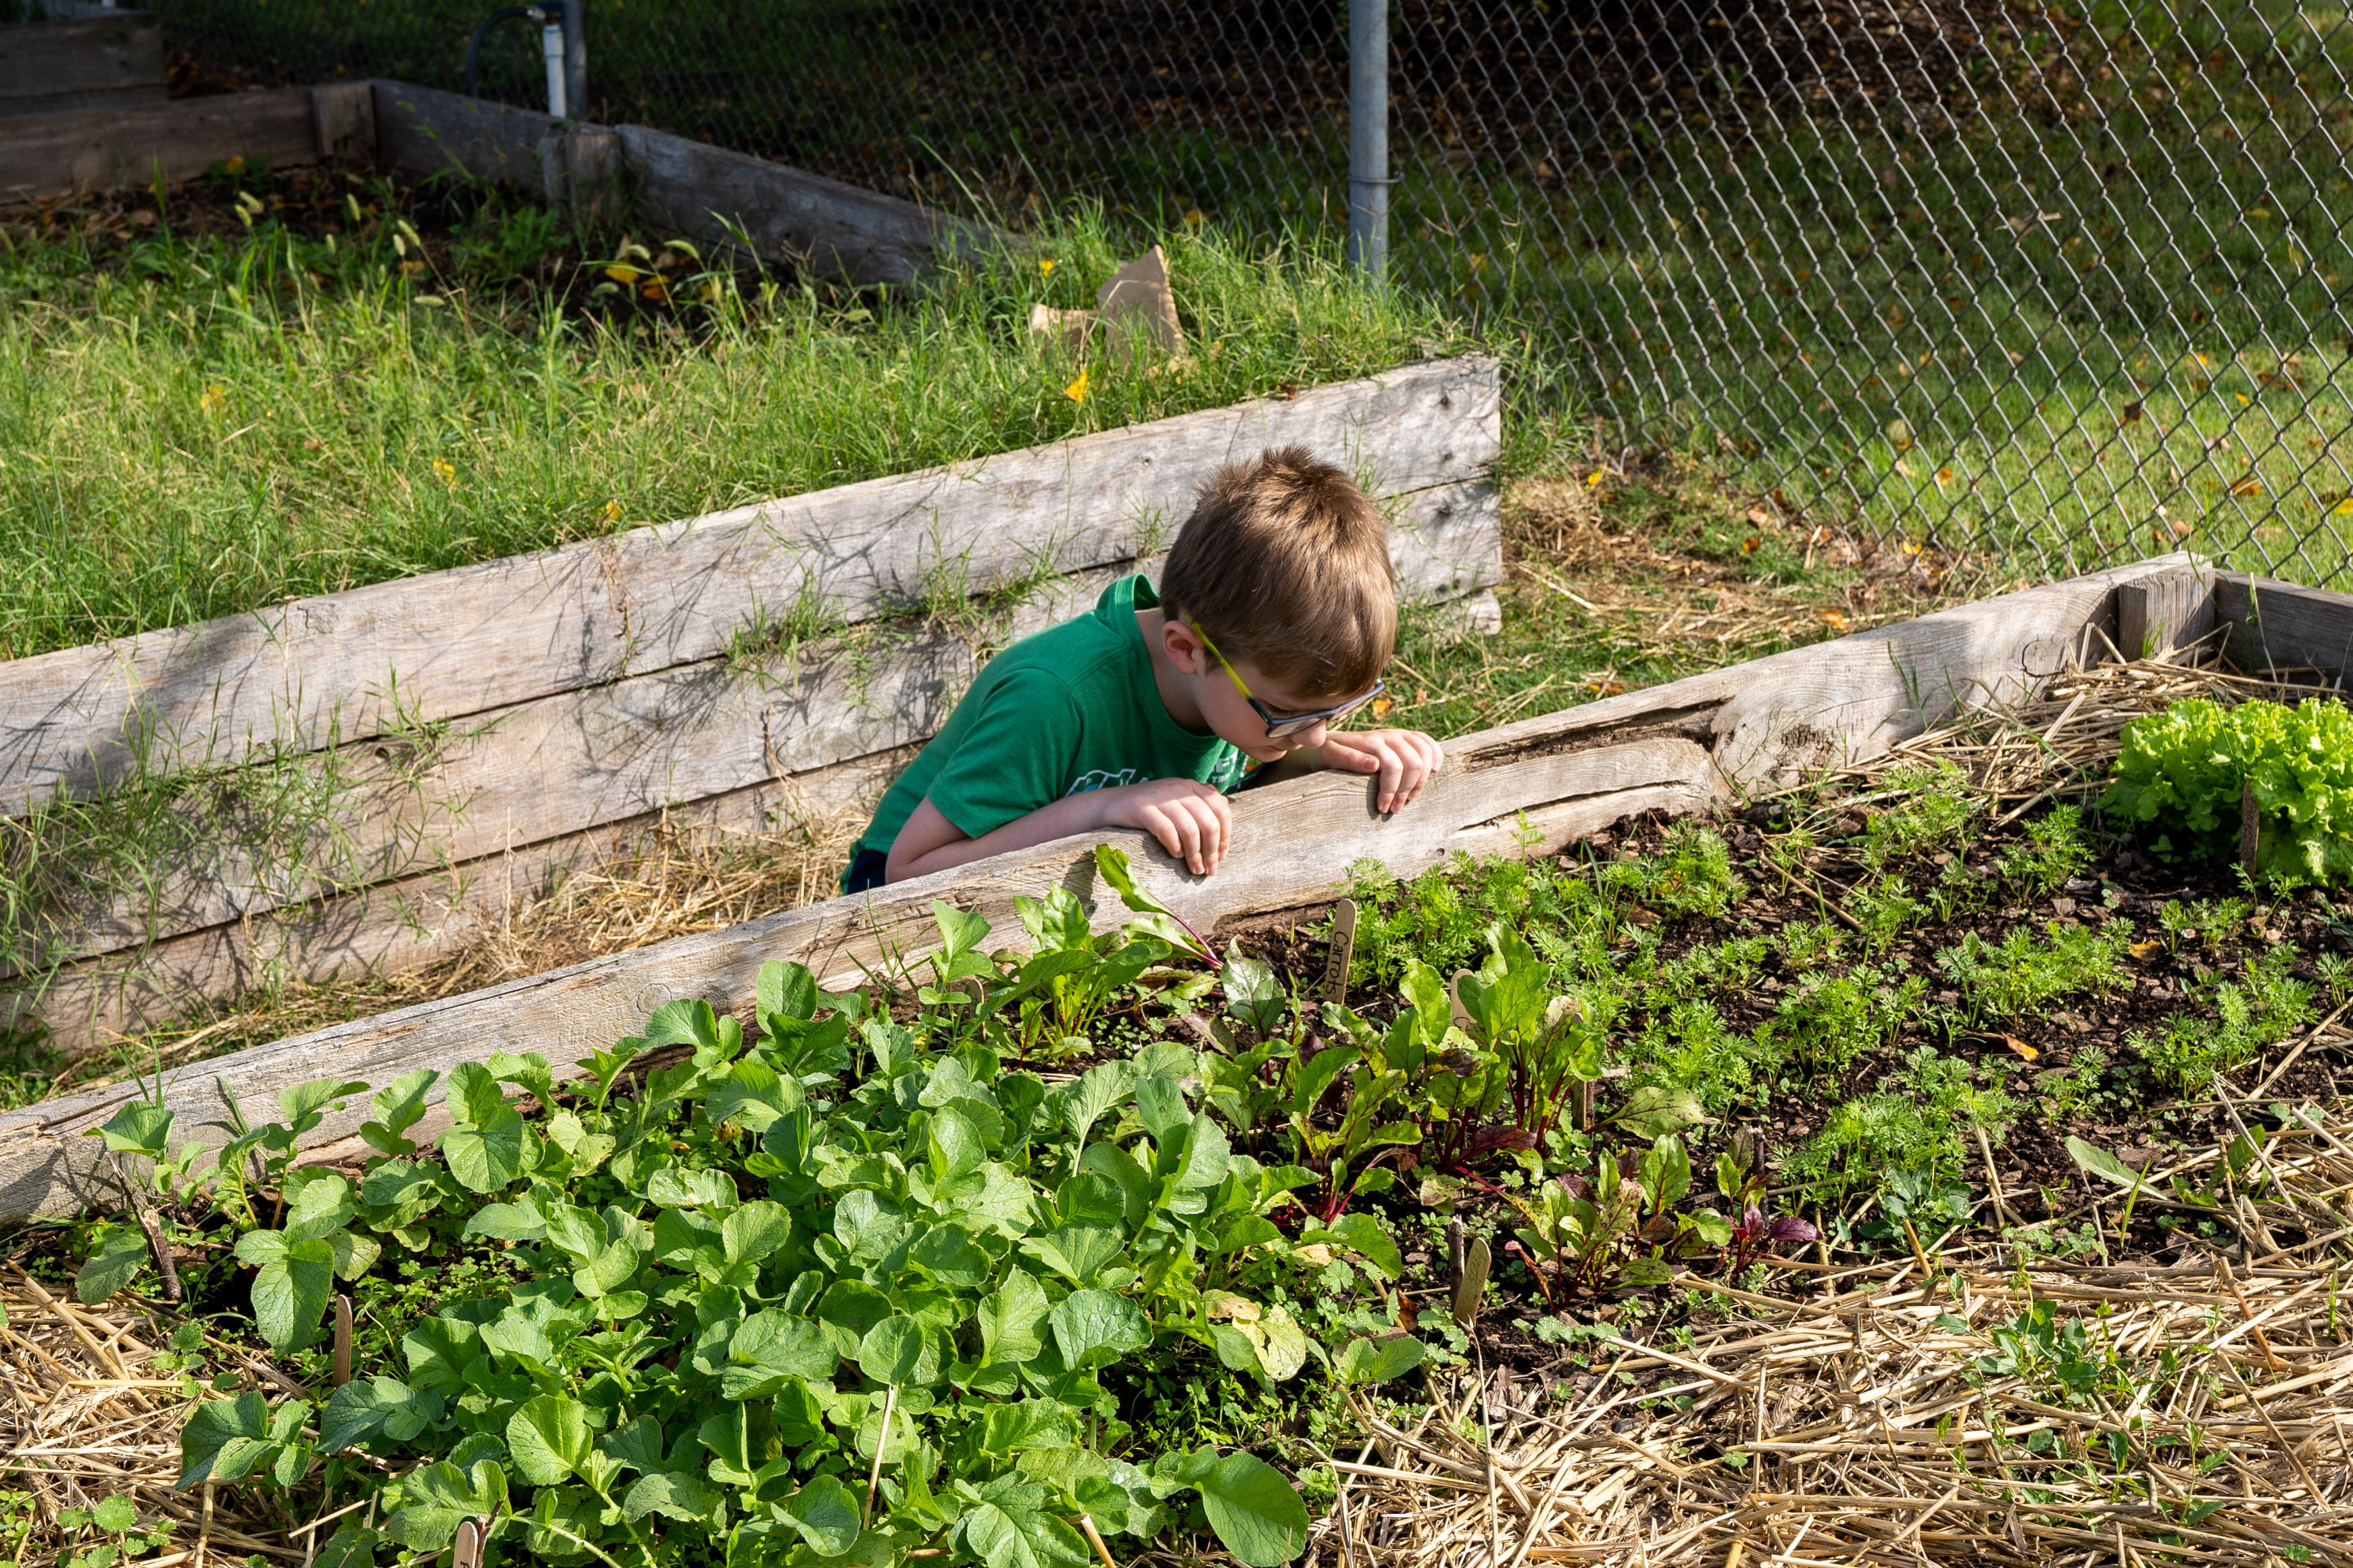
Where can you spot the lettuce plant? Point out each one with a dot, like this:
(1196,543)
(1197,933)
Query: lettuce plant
(2182,774)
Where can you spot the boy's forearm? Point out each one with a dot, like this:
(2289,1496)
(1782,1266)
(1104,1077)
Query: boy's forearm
(1071,814)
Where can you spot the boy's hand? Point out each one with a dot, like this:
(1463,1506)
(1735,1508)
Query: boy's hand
(1404,758)
(1191,820)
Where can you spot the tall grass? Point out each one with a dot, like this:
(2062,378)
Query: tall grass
(202,425)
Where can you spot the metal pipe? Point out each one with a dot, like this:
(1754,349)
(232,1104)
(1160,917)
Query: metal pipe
(550,52)
(575,57)
(1369,137)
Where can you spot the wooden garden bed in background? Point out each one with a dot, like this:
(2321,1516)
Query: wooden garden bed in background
(488,727)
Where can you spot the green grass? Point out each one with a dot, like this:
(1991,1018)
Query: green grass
(2095,316)
(2095,319)
(205,424)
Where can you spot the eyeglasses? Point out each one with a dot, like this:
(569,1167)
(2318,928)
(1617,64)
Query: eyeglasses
(1280,725)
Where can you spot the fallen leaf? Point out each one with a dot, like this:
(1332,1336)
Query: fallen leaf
(1750,545)
(233,166)
(2131,415)
(1759,518)
(1381,706)
(2020,1047)
(1944,476)
(1834,618)
(1077,391)
(623,274)
(2144,949)
(2249,486)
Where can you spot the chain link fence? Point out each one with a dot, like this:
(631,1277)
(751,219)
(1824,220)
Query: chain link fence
(2037,287)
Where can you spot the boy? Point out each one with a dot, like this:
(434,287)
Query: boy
(1274,620)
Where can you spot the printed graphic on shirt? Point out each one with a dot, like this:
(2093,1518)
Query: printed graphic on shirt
(1104,778)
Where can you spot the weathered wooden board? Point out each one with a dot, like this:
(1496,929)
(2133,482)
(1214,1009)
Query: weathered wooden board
(2161,614)
(2278,626)
(424,130)
(825,228)
(81,67)
(475,638)
(559,765)
(562,764)
(1675,747)
(69,154)
(402,925)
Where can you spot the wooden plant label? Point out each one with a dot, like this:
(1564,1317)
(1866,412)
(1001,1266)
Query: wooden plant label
(1473,1282)
(1342,953)
(1454,994)
(466,1551)
(342,1372)
(2251,826)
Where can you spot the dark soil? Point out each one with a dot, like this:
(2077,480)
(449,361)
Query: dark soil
(2136,1117)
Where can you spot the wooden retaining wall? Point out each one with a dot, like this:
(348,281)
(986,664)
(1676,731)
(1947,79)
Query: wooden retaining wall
(104,62)
(492,724)
(1679,747)
(732,201)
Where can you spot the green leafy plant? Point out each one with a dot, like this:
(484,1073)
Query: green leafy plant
(1618,1229)
(120,1537)
(2268,1006)
(2026,970)
(2055,850)
(2182,774)
(2067,1091)
(770,1303)
(1541,1039)
(1932,810)
(1826,1021)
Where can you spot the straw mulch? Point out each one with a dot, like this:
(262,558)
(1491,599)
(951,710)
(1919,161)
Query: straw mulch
(677,879)
(2204,1414)
(85,1415)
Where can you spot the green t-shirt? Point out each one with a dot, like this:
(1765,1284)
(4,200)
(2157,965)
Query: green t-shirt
(1069,710)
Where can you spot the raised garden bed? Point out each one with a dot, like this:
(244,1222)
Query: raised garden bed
(978,1253)
(476,730)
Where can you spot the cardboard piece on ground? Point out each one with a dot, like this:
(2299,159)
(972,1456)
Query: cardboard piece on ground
(1137,304)
(1070,327)
(1134,306)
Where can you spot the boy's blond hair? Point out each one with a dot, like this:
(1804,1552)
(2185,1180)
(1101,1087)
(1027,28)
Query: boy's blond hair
(1285,564)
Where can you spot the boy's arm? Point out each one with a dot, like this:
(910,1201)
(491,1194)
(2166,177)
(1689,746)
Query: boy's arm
(1403,758)
(1190,818)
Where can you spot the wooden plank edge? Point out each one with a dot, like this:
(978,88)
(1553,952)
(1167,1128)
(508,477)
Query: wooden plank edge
(2276,626)
(2164,614)
(837,935)
(1840,701)
(290,674)
(73,154)
(723,198)
(397,926)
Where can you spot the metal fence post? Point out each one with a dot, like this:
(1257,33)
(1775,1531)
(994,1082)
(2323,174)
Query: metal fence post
(576,58)
(1369,136)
